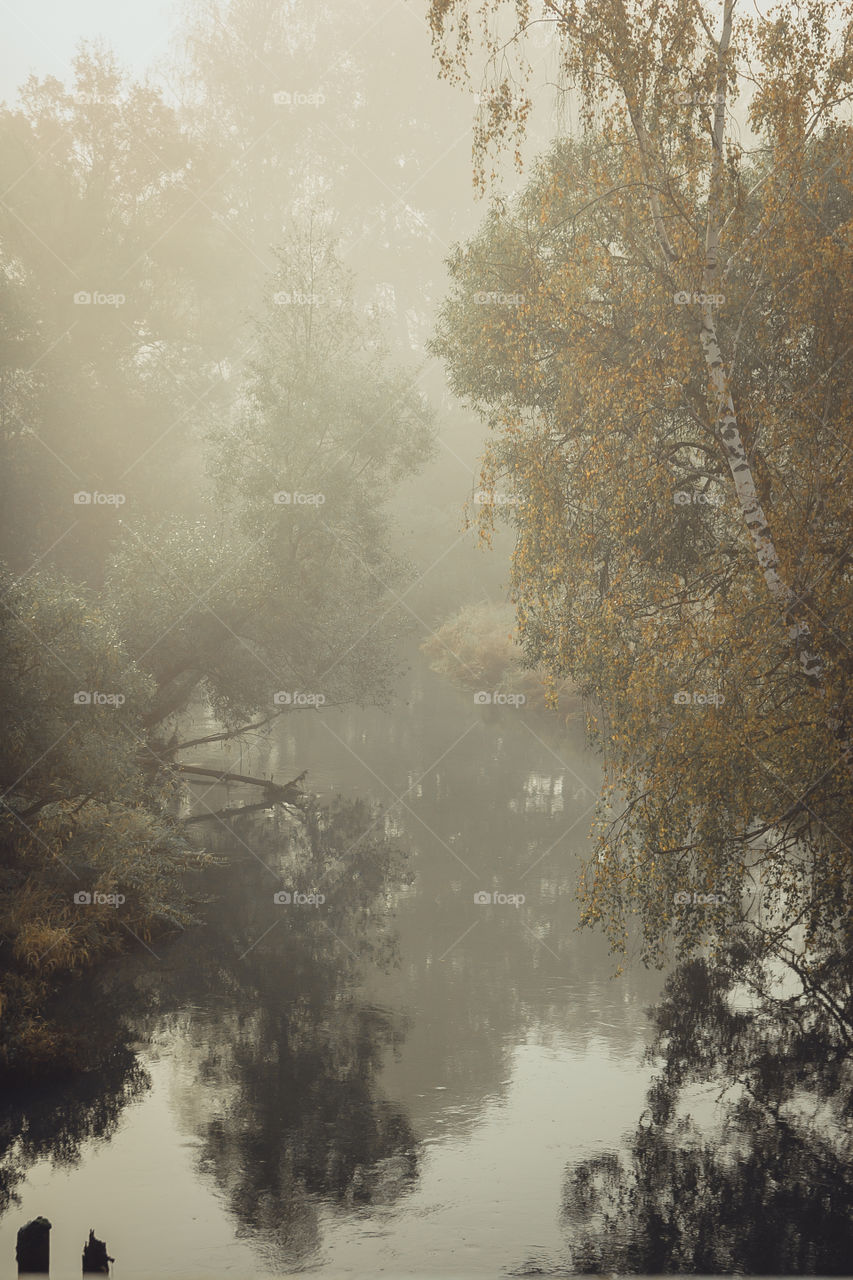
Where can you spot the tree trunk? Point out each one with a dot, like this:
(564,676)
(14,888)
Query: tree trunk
(95,1257)
(33,1247)
(726,425)
(283,791)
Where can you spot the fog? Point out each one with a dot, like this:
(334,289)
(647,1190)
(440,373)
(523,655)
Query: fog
(425,555)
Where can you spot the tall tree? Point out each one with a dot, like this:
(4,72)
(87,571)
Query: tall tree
(109,366)
(587,324)
(288,585)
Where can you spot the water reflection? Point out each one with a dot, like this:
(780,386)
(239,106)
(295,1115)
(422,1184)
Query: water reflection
(302,1116)
(367,1082)
(56,1122)
(764,1185)
(255,1004)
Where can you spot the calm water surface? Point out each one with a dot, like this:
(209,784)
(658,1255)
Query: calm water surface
(393,1082)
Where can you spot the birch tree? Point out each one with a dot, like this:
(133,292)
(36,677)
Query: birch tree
(664,305)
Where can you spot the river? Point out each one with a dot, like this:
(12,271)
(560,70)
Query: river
(393,1081)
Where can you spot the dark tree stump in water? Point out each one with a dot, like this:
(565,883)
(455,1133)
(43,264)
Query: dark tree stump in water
(33,1247)
(95,1256)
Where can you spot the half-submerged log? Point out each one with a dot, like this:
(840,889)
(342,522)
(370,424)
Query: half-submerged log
(33,1247)
(95,1257)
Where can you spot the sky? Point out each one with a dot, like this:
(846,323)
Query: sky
(42,35)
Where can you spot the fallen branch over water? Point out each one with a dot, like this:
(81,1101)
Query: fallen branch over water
(286,789)
(274,793)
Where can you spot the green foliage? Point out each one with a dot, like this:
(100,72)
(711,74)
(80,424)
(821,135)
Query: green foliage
(270,595)
(231,602)
(477,648)
(78,815)
(100,396)
(57,645)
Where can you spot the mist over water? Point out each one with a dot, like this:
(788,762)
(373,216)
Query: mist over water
(413,1110)
(424,829)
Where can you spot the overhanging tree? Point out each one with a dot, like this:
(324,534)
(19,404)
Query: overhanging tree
(654,279)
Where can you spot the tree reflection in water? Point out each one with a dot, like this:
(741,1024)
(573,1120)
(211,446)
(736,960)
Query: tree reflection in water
(55,1122)
(282,1053)
(280,1056)
(769,1188)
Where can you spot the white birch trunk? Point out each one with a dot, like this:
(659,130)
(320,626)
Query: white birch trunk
(811,662)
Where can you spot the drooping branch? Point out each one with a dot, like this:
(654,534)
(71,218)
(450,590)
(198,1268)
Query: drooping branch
(838,1015)
(649,167)
(226,734)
